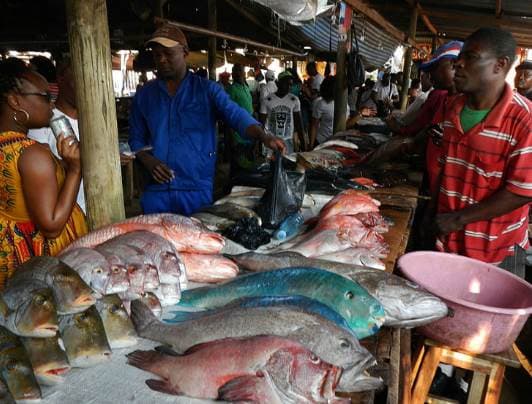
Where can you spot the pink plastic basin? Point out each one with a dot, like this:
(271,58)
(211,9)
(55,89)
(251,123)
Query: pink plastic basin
(488,306)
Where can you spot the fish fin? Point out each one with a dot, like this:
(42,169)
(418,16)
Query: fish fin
(163,386)
(241,389)
(144,359)
(165,349)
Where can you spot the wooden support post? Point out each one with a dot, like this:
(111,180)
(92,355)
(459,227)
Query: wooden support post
(212,24)
(407,66)
(88,33)
(158,8)
(426,374)
(340,85)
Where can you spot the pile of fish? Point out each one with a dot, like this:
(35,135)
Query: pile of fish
(348,230)
(151,253)
(51,321)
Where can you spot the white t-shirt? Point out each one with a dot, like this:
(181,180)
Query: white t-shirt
(267,89)
(46,136)
(280,111)
(324,111)
(385,93)
(316,81)
(411,112)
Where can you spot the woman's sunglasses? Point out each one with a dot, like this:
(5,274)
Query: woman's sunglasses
(45,94)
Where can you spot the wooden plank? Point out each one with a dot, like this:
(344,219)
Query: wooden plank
(434,399)
(405,374)
(426,374)
(88,33)
(465,361)
(494,388)
(398,235)
(476,389)
(394,394)
(212,22)
(507,358)
(378,19)
(498,8)
(420,353)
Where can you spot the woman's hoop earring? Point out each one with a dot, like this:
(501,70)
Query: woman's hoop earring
(26,116)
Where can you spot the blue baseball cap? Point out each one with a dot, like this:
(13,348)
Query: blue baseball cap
(450,50)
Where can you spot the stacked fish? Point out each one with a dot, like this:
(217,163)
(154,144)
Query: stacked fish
(348,230)
(51,321)
(311,318)
(149,254)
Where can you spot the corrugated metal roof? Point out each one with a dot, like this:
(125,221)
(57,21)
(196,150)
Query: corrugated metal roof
(374,45)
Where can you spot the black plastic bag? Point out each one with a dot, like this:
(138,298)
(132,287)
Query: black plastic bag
(283,196)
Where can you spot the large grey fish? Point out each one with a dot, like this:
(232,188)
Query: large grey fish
(405,303)
(118,326)
(27,308)
(84,337)
(231,211)
(90,265)
(5,394)
(71,293)
(160,251)
(330,342)
(48,359)
(15,368)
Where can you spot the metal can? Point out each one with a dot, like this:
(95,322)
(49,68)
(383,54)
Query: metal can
(62,125)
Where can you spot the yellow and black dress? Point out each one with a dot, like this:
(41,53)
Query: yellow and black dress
(20,239)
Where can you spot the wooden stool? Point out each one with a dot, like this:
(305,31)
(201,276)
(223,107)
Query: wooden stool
(484,366)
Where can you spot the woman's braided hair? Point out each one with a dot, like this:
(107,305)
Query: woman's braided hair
(12,70)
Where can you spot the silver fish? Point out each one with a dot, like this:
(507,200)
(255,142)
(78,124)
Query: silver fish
(90,265)
(84,337)
(27,309)
(71,293)
(405,304)
(118,326)
(163,254)
(48,359)
(330,342)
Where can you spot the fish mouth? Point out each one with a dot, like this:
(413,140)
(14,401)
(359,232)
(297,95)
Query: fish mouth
(45,331)
(89,360)
(30,394)
(51,375)
(85,301)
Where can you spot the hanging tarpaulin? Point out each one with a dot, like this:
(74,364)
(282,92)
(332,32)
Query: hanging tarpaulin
(344,21)
(296,11)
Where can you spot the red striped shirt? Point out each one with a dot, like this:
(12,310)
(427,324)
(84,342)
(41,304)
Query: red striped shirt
(495,154)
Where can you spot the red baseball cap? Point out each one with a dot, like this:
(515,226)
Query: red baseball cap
(168,35)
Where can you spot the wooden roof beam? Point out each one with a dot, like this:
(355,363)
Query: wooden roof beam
(424,16)
(477,19)
(375,17)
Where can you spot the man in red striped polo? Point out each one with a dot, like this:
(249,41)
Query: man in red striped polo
(485,185)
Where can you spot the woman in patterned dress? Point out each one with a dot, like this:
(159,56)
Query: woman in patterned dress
(38,210)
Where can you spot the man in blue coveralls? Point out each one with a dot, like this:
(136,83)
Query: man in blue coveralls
(176,116)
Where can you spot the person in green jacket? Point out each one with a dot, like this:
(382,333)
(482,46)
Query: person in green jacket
(242,150)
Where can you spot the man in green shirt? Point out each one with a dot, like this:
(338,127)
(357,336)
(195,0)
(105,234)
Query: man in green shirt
(242,150)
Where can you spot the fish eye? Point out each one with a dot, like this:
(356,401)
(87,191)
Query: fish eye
(114,308)
(314,359)
(344,343)
(98,270)
(39,299)
(349,294)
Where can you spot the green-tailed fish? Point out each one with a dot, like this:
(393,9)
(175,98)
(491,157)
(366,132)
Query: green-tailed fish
(363,313)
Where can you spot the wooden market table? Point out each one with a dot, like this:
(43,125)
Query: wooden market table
(392,346)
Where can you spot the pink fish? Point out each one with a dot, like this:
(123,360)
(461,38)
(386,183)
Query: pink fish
(264,369)
(374,220)
(186,234)
(204,268)
(349,202)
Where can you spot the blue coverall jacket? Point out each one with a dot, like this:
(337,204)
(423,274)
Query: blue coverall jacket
(182,131)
